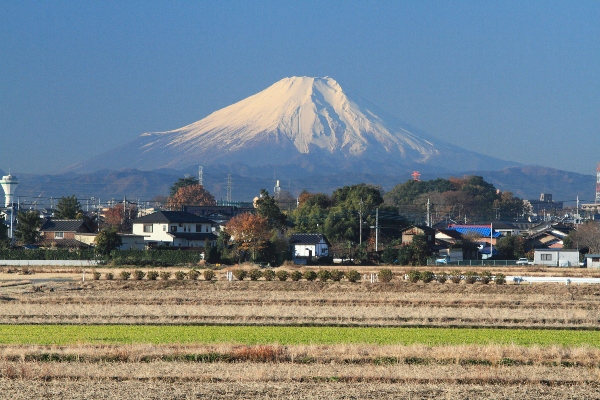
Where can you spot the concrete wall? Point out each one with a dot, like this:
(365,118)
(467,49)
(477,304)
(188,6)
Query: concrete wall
(53,263)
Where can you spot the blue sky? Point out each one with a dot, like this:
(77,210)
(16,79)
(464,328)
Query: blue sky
(517,80)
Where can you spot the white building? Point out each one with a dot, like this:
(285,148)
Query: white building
(309,245)
(556,257)
(174,229)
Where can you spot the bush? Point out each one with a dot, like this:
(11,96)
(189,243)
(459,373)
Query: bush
(165,275)
(240,274)
(152,275)
(269,275)
(138,275)
(193,274)
(500,279)
(180,275)
(125,275)
(414,275)
(109,276)
(455,276)
(385,275)
(208,274)
(296,276)
(97,275)
(353,275)
(282,275)
(471,277)
(310,275)
(486,277)
(337,275)
(324,275)
(254,275)
(441,277)
(427,276)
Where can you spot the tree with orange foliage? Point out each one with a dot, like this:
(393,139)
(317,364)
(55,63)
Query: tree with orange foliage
(121,221)
(192,195)
(250,232)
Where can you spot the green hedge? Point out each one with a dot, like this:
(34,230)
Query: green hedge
(119,257)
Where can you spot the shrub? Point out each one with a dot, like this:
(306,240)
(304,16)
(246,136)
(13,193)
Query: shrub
(240,274)
(500,279)
(486,277)
(109,276)
(323,275)
(441,277)
(427,276)
(97,275)
(254,275)
(193,274)
(282,275)
(125,275)
(414,275)
(385,275)
(138,275)
(471,277)
(165,275)
(353,275)
(208,274)
(455,276)
(152,275)
(296,276)
(310,275)
(269,275)
(337,275)
(180,275)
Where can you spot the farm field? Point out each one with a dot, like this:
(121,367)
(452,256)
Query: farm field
(60,337)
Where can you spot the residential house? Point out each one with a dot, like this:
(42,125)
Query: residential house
(63,233)
(409,233)
(174,229)
(556,257)
(220,215)
(305,246)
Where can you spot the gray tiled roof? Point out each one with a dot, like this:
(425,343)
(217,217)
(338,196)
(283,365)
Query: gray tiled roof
(193,235)
(307,238)
(65,225)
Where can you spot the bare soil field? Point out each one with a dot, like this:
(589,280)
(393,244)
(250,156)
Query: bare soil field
(298,372)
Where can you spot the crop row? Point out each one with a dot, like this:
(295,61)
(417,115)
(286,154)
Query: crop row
(285,335)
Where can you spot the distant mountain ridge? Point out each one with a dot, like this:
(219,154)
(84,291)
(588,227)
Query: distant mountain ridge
(310,123)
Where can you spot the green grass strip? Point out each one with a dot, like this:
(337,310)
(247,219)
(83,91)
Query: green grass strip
(251,335)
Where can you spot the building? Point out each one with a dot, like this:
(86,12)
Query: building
(556,257)
(174,229)
(592,260)
(305,246)
(545,205)
(65,233)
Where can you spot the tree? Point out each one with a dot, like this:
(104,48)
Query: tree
(121,218)
(183,182)
(28,227)
(249,231)
(191,195)
(586,236)
(267,207)
(4,241)
(107,240)
(68,208)
(511,247)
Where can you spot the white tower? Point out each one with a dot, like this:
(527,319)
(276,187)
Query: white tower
(9,184)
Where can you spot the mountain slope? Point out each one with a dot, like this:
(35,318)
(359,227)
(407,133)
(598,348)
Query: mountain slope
(303,121)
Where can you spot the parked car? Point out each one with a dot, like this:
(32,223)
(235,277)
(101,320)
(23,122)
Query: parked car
(524,261)
(442,260)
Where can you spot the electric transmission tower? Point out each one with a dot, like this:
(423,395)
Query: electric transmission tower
(229,188)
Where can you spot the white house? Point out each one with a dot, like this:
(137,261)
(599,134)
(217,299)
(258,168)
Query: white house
(308,245)
(556,257)
(174,229)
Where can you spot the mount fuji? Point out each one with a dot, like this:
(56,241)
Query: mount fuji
(299,123)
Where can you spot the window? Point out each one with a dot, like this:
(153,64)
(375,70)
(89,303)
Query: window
(59,235)
(546,257)
(148,228)
(173,228)
(164,228)
(198,228)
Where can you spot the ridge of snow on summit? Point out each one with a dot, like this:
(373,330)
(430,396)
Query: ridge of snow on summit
(298,120)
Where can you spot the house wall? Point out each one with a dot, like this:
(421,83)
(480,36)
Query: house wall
(318,250)
(66,235)
(556,258)
(593,261)
(160,232)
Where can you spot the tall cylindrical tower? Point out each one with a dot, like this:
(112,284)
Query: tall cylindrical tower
(9,184)
(598,183)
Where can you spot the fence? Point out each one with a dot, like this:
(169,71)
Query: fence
(52,263)
(475,263)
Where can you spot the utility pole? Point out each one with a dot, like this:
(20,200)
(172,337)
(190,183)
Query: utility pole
(491,238)
(376,228)
(229,189)
(360,227)
(200,173)
(428,213)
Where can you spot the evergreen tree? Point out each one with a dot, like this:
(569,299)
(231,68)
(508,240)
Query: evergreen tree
(28,227)
(68,208)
